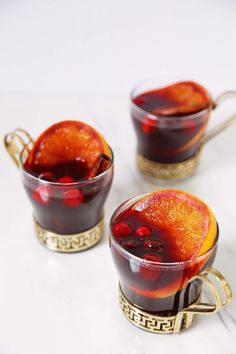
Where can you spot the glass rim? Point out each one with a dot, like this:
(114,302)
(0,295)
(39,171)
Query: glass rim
(179,264)
(93,179)
(170,118)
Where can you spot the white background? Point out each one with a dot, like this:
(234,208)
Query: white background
(79,60)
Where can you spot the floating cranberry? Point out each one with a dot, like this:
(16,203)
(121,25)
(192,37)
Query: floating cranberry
(72,198)
(47,176)
(65,179)
(140,100)
(143,232)
(153,244)
(42,194)
(121,229)
(149,125)
(150,272)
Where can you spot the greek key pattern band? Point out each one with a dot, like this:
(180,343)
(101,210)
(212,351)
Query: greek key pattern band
(221,295)
(167,171)
(70,243)
(152,323)
(149,322)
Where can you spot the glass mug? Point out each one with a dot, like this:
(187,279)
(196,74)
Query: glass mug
(62,222)
(166,303)
(168,146)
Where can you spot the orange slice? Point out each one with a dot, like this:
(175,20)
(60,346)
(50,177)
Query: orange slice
(67,141)
(187,96)
(188,222)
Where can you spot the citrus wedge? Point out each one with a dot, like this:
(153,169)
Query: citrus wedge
(188,223)
(65,142)
(187,97)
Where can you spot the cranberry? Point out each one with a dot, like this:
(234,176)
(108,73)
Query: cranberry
(65,179)
(72,198)
(149,125)
(153,244)
(121,229)
(150,272)
(140,100)
(47,176)
(42,194)
(143,232)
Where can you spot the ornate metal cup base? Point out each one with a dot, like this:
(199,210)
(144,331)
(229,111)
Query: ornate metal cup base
(150,322)
(70,243)
(167,171)
(184,318)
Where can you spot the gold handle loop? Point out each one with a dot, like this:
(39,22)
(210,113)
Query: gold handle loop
(223,125)
(186,315)
(15,142)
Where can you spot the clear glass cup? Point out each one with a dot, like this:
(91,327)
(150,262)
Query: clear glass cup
(162,297)
(170,140)
(68,217)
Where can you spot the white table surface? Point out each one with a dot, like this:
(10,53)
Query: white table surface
(79,60)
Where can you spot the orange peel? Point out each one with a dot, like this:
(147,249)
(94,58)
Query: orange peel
(189,223)
(66,141)
(188,97)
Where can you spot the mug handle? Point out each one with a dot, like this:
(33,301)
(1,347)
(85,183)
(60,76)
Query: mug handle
(223,125)
(15,142)
(185,317)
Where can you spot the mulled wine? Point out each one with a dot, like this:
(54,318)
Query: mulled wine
(67,178)
(170,121)
(155,262)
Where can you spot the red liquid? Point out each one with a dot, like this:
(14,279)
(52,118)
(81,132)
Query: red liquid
(63,206)
(152,287)
(77,170)
(163,139)
(139,244)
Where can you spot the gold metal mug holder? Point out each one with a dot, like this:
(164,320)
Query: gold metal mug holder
(167,171)
(184,318)
(184,169)
(15,142)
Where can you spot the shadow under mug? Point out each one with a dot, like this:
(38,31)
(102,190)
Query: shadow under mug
(60,223)
(169,147)
(168,300)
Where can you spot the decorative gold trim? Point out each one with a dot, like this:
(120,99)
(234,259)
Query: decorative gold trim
(167,171)
(70,243)
(147,321)
(204,308)
(15,142)
(174,324)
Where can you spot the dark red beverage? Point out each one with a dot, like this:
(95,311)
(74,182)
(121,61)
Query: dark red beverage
(152,276)
(68,194)
(170,121)
(67,204)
